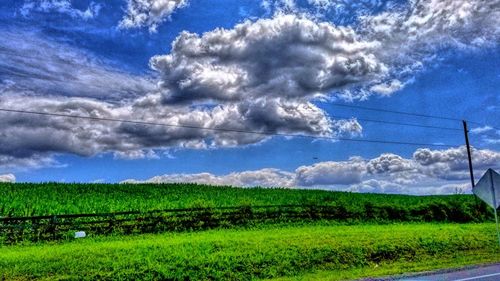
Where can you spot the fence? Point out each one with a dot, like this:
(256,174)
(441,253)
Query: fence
(56,227)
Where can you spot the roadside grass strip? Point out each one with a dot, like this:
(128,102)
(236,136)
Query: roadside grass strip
(309,251)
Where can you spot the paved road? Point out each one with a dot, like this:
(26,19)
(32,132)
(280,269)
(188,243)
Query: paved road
(484,273)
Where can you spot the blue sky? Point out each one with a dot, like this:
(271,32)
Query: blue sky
(275,66)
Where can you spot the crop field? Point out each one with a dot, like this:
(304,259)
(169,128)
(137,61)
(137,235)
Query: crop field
(26,199)
(43,212)
(321,250)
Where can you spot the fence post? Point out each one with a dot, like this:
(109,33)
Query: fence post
(53,223)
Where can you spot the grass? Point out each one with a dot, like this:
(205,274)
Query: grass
(350,245)
(401,268)
(27,199)
(313,251)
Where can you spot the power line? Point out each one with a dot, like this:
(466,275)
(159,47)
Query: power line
(397,112)
(408,113)
(220,129)
(399,123)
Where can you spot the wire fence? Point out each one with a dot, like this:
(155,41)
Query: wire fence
(56,227)
(59,227)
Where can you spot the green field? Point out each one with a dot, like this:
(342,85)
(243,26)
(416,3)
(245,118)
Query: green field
(315,251)
(22,199)
(330,236)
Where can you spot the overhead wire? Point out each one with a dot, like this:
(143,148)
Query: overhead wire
(399,123)
(409,114)
(222,129)
(395,111)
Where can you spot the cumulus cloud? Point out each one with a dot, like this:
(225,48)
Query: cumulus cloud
(456,158)
(427,187)
(331,173)
(452,163)
(26,135)
(150,13)
(287,56)
(60,6)
(257,102)
(389,163)
(7,178)
(387,173)
(295,56)
(264,177)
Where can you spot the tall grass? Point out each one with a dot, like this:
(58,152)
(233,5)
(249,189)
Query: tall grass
(26,199)
(244,254)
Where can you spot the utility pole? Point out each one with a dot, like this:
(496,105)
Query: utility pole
(466,132)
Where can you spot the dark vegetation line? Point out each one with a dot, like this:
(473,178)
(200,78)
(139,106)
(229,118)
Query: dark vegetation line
(237,130)
(46,228)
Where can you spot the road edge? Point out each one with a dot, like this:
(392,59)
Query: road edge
(427,273)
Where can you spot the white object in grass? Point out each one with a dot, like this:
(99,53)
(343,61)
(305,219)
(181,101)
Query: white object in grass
(80,234)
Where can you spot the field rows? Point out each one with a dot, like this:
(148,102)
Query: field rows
(25,199)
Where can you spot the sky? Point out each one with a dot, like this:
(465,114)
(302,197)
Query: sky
(287,68)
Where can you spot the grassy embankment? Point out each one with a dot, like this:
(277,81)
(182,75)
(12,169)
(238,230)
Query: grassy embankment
(293,252)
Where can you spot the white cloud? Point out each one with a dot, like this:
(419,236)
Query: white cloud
(492,141)
(411,35)
(150,13)
(331,173)
(287,56)
(341,11)
(7,178)
(387,88)
(389,163)
(136,154)
(480,130)
(388,173)
(377,186)
(60,6)
(32,65)
(12,161)
(456,158)
(264,177)
(416,33)
(67,81)
(488,134)
(25,135)
(452,163)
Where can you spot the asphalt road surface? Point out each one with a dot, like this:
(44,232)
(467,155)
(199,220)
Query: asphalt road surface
(483,273)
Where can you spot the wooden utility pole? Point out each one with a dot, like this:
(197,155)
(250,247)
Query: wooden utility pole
(471,171)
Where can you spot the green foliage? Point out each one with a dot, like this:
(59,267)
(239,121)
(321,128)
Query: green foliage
(28,199)
(201,208)
(247,254)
